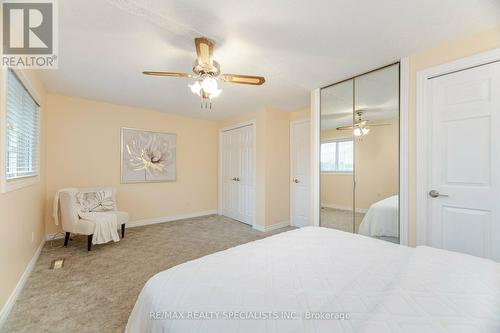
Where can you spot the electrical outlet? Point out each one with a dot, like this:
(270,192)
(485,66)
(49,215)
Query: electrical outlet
(57,263)
(32,237)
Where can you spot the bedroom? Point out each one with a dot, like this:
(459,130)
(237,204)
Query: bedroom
(243,168)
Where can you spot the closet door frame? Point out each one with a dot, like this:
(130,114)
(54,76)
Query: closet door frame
(252,123)
(403,150)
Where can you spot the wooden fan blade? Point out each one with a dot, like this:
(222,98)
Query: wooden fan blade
(174,74)
(379,125)
(204,50)
(243,79)
(343,128)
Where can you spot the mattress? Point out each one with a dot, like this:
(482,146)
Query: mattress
(322,280)
(382,219)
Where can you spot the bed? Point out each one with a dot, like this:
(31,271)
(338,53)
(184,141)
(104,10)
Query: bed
(322,280)
(382,219)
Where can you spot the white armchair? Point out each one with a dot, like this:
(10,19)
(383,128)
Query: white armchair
(71,221)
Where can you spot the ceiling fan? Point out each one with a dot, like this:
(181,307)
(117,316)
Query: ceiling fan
(361,127)
(207,72)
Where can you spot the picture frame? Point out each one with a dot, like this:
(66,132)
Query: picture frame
(147,156)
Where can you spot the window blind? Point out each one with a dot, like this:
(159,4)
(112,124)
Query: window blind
(337,156)
(22,130)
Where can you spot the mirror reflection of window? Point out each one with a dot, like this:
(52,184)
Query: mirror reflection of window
(337,156)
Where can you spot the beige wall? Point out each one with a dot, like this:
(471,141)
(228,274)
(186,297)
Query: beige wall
(273,163)
(377,164)
(376,167)
(21,214)
(453,50)
(336,190)
(300,114)
(277,166)
(83,149)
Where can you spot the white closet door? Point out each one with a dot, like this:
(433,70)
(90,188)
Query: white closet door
(464,191)
(246,178)
(228,184)
(238,172)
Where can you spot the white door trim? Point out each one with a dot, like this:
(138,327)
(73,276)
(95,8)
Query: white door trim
(252,123)
(315,147)
(422,132)
(292,123)
(404,79)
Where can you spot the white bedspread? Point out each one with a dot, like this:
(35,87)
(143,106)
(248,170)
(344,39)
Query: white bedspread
(382,218)
(382,287)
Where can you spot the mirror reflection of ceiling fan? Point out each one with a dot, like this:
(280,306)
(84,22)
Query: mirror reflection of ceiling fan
(207,73)
(361,127)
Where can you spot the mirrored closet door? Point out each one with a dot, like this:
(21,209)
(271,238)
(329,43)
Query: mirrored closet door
(359,158)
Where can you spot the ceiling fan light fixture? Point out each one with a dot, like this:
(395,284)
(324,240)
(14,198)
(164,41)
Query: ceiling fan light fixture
(205,87)
(207,72)
(195,88)
(209,84)
(215,93)
(360,131)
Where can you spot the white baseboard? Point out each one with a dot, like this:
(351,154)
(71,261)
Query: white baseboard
(341,207)
(271,227)
(4,313)
(54,236)
(155,220)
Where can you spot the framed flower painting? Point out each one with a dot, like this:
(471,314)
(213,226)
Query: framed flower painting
(147,156)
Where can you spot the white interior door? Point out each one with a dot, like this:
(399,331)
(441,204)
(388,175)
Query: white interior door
(464,160)
(300,174)
(238,174)
(229,170)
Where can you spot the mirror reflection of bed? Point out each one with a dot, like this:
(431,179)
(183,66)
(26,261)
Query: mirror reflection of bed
(359,179)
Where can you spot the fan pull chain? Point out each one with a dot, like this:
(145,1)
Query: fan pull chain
(208,104)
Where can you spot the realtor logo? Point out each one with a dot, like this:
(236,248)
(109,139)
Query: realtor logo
(29,38)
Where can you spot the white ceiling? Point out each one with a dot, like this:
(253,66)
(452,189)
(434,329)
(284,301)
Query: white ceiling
(296,45)
(376,95)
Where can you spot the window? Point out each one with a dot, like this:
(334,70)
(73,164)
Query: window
(22,131)
(337,156)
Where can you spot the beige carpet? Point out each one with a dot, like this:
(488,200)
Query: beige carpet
(95,291)
(340,219)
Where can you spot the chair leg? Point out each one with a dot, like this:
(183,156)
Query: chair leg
(123,230)
(89,242)
(66,239)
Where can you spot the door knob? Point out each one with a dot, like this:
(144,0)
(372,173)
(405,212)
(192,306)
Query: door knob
(296,181)
(435,194)
(234,179)
(237,179)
